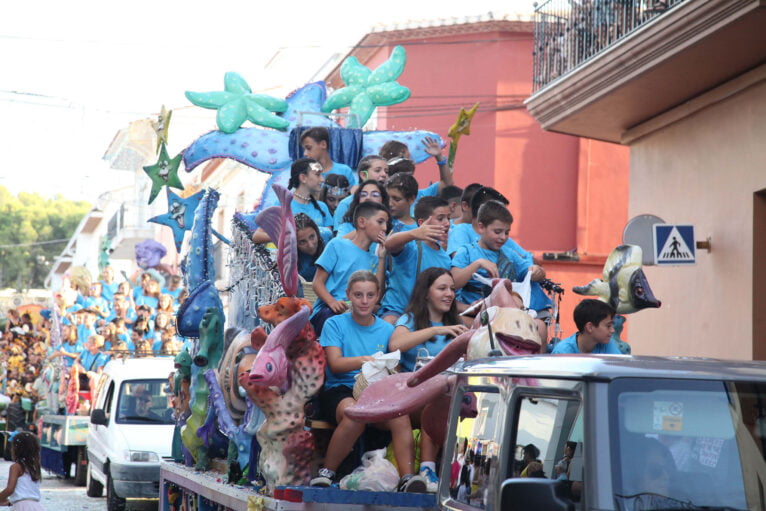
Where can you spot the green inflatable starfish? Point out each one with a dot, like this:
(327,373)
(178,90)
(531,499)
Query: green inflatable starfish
(365,90)
(164,172)
(237,103)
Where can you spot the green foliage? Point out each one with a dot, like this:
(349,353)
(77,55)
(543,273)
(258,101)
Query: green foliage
(30,218)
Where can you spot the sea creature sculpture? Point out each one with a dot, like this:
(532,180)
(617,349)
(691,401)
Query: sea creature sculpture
(279,224)
(623,284)
(200,270)
(207,357)
(504,327)
(287,448)
(180,215)
(271,366)
(149,253)
(283,308)
(237,103)
(164,172)
(365,90)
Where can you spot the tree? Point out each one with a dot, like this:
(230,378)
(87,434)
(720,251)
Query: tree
(27,220)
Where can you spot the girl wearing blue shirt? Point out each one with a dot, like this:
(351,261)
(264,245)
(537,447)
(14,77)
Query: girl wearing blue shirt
(310,245)
(349,340)
(429,323)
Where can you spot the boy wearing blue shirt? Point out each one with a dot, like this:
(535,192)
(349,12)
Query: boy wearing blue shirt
(370,167)
(402,192)
(486,256)
(413,251)
(595,326)
(316,144)
(343,256)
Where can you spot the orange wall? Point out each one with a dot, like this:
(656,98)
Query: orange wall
(564,192)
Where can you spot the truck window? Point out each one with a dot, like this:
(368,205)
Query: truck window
(144,402)
(687,443)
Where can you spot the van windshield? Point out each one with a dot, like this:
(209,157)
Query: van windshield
(688,444)
(144,402)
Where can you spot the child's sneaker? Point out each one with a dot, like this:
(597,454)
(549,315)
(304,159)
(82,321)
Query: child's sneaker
(432,480)
(412,484)
(323,479)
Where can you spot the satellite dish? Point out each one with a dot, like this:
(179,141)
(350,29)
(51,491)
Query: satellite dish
(639,231)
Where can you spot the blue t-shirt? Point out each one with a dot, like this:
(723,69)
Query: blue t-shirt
(75,348)
(83,333)
(569,345)
(433,346)
(175,293)
(354,340)
(464,234)
(404,272)
(399,226)
(98,302)
(341,210)
(93,362)
(147,300)
(108,290)
(321,216)
(514,268)
(343,170)
(340,259)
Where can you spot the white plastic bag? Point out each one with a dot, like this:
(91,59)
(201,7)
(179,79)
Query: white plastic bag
(375,474)
(381,366)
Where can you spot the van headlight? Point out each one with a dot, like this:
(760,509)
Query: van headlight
(141,456)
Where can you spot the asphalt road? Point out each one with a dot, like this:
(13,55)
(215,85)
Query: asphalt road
(61,495)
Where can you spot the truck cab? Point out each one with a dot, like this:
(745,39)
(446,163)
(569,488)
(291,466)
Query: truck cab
(130,431)
(607,433)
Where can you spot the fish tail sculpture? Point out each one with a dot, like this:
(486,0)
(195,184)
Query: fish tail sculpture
(271,366)
(211,340)
(623,284)
(279,224)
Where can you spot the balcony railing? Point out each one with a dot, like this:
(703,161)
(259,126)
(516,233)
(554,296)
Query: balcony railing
(569,32)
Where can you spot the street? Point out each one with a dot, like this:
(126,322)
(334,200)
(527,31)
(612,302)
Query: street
(62,495)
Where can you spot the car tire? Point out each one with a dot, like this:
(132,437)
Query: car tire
(81,467)
(113,502)
(92,487)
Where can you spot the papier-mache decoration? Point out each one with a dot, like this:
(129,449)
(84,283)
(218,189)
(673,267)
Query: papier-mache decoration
(164,172)
(623,284)
(366,90)
(461,127)
(149,253)
(180,215)
(237,103)
(279,224)
(161,126)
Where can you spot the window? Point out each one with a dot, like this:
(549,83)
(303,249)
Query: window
(144,402)
(684,443)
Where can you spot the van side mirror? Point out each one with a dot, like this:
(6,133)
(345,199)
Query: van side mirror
(524,494)
(98,417)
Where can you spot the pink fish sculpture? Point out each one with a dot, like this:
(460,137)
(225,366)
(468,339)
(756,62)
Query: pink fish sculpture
(271,367)
(279,224)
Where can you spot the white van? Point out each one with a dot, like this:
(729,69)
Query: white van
(130,431)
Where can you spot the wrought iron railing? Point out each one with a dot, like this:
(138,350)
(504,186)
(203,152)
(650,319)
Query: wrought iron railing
(569,32)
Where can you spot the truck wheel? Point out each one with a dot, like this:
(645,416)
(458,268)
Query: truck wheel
(81,466)
(92,487)
(113,502)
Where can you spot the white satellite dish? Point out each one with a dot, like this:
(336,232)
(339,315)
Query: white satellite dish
(639,231)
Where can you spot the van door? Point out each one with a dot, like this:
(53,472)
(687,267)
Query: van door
(97,433)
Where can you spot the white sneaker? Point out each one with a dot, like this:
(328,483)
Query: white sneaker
(432,480)
(323,479)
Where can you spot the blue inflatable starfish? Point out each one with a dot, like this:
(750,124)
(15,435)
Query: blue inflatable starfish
(180,215)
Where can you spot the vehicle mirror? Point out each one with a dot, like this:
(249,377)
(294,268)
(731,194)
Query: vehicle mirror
(523,494)
(98,417)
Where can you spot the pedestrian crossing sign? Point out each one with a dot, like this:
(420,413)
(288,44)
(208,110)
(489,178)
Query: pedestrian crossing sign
(674,244)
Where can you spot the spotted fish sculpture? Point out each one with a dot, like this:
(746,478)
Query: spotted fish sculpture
(623,284)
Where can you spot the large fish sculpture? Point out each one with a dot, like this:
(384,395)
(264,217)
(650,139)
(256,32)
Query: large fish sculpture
(623,284)
(279,224)
(271,367)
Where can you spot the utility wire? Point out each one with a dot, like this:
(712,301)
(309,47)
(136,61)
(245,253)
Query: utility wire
(49,242)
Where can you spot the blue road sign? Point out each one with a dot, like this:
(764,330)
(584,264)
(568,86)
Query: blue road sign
(674,244)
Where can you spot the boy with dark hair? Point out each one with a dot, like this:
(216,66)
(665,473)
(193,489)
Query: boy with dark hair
(402,192)
(595,326)
(343,256)
(316,144)
(372,167)
(486,256)
(413,251)
(400,160)
(452,195)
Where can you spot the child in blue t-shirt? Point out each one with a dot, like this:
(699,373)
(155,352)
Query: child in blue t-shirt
(316,145)
(402,191)
(349,340)
(310,243)
(368,191)
(595,326)
(372,167)
(343,256)
(414,250)
(429,323)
